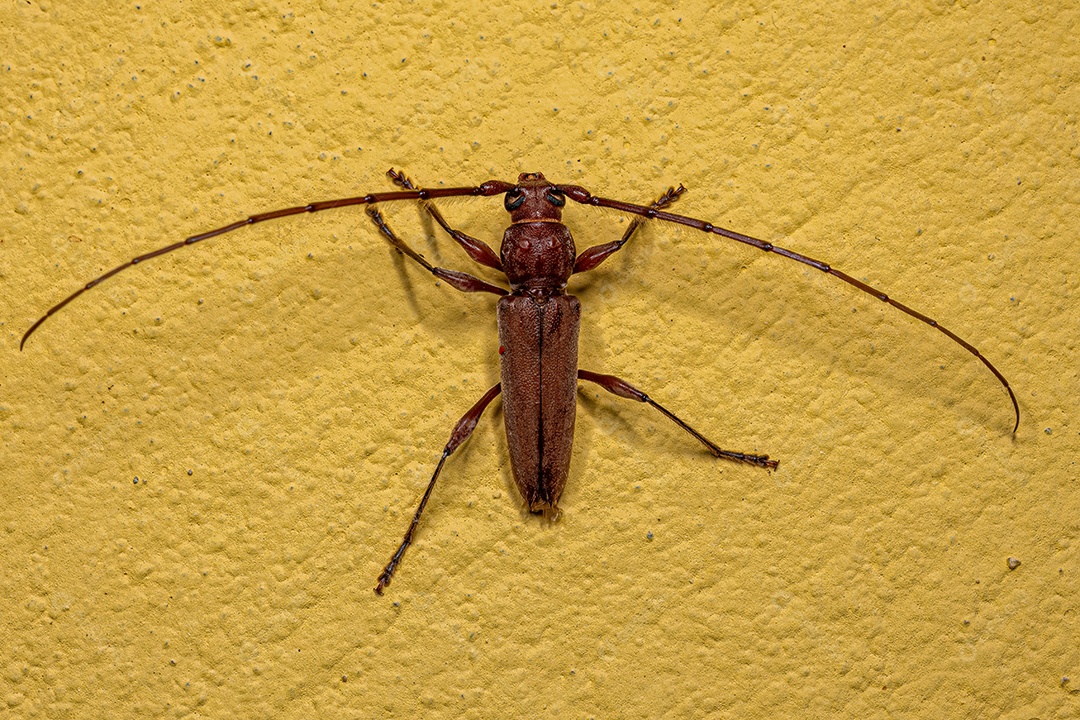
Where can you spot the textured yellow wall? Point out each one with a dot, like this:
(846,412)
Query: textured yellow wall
(282,393)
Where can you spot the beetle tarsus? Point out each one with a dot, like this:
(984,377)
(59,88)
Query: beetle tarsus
(384,579)
(761,461)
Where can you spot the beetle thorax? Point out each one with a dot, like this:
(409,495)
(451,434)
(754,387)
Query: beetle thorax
(538,255)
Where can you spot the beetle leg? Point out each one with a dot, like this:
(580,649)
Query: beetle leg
(624,389)
(461,432)
(462,281)
(591,257)
(478,250)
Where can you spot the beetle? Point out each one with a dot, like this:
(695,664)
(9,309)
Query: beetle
(538,321)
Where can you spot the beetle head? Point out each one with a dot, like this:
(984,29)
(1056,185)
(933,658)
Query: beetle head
(534,199)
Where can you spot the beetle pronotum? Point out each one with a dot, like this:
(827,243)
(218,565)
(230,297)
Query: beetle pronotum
(538,321)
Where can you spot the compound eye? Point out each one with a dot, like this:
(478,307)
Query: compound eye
(556,198)
(514,199)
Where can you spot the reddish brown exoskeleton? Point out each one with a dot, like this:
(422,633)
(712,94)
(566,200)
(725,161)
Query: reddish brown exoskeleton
(538,322)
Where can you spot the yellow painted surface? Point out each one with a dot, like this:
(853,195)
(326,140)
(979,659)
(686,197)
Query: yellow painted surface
(281,394)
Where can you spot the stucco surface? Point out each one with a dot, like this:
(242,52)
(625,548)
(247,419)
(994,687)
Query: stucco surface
(207,460)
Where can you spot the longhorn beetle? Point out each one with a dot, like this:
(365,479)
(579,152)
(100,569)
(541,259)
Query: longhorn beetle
(538,321)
